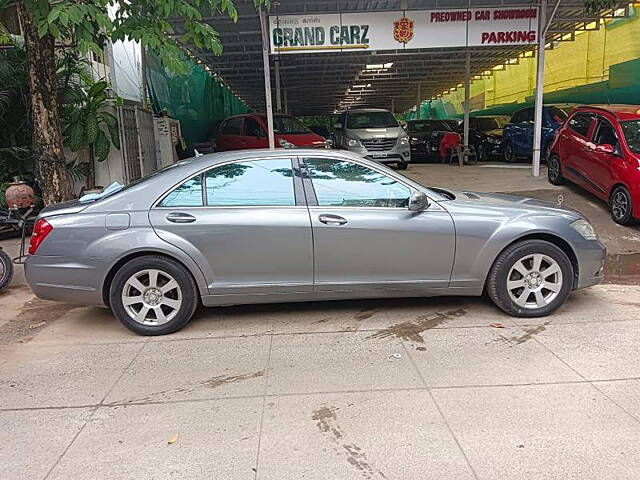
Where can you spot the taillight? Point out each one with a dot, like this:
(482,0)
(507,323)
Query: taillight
(40,231)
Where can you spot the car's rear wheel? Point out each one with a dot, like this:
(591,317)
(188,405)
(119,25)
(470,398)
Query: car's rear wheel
(153,295)
(621,206)
(531,278)
(402,165)
(509,153)
(554,170)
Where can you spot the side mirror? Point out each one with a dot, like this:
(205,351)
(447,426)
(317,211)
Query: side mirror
(418,202)
(606,148)
(337,126)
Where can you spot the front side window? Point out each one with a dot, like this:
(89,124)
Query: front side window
(339,183)
(631,130)
(252,183)
(189,194)
(580,123)
(252,128)
(288,126)
(605,134)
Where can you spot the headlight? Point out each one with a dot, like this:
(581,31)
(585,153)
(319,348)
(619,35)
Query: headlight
(584,228)
(403,140)
(285,144)
(352,142)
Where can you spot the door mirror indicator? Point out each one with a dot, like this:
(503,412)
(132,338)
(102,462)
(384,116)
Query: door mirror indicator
(418,202)
(606,148)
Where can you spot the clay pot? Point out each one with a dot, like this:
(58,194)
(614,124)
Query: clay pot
(19,195)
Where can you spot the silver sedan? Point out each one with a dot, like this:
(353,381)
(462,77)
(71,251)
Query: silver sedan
(299,225)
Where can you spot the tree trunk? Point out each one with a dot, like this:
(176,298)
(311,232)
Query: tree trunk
(51,173)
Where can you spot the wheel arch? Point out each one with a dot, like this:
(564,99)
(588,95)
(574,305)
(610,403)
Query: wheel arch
(106,285)
(613,189)
(548,237)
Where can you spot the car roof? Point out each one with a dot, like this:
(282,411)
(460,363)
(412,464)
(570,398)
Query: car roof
(620,111)
(366,110)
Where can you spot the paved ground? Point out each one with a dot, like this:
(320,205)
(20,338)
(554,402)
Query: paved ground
(395,389)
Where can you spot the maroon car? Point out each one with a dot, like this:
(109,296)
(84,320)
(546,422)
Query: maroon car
(249,131)
(598,148)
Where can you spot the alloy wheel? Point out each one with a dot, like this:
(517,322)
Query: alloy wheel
(151,297)
(554,168)
(619,205)
(534,281)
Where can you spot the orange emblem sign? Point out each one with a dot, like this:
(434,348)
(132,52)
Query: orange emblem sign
(403,30)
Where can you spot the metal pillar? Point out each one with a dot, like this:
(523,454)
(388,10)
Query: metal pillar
(418,101)
(537,124)
(285,101)
(467,96)
(393,106)
(264,26)
(278,98)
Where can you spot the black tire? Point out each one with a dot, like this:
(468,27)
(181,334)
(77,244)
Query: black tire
(509,153)
(621,207)
(403,165)
(554,170)
(6,270)
(186,284)
(496,286)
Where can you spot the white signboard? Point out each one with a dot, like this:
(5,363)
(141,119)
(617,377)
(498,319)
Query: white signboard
(403,29)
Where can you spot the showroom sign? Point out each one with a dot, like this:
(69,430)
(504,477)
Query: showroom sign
(403,29)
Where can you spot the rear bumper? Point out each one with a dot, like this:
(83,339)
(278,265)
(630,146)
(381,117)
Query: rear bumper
(66,279)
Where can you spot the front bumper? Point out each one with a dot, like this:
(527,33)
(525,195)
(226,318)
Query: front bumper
(393,155)
(591,256)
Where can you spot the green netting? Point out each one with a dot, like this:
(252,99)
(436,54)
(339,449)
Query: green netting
(197,99)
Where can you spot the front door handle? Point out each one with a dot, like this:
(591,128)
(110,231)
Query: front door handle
(180,218)
(332,219)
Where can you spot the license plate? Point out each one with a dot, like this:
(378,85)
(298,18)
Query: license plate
(379,155)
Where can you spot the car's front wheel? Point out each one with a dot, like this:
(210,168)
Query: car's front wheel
(153,295)
(554,170)
(531,278)
(509,153)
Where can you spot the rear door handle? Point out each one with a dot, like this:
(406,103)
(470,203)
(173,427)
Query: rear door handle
(180,218)
(332,219)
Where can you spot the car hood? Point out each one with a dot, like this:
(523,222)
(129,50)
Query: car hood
(371,133)
(493,133)
(512,202)
(427,135)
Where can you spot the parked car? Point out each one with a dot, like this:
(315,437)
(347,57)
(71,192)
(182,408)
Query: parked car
(485,135)
(431,137)
(241,227)
(249,131)
(517,136)
(373,133)
(598,148)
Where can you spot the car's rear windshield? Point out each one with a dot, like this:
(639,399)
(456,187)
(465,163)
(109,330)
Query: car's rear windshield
(371,120)
(631,130)
(430,126)
(486,124)
(288,125)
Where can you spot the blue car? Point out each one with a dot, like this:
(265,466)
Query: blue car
(517,137)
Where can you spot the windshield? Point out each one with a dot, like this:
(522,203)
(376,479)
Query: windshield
(559,115)
(371,120)
(631,130)
(430,126)
(486,124)
(288,125)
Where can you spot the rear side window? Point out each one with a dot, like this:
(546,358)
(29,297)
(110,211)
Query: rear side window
(189,194)
(255,183)
(580,123)
(233,126)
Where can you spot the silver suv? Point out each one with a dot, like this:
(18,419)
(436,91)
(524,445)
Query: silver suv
(374,133)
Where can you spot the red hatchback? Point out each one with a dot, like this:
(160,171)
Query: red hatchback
(598,148)
(250,131)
